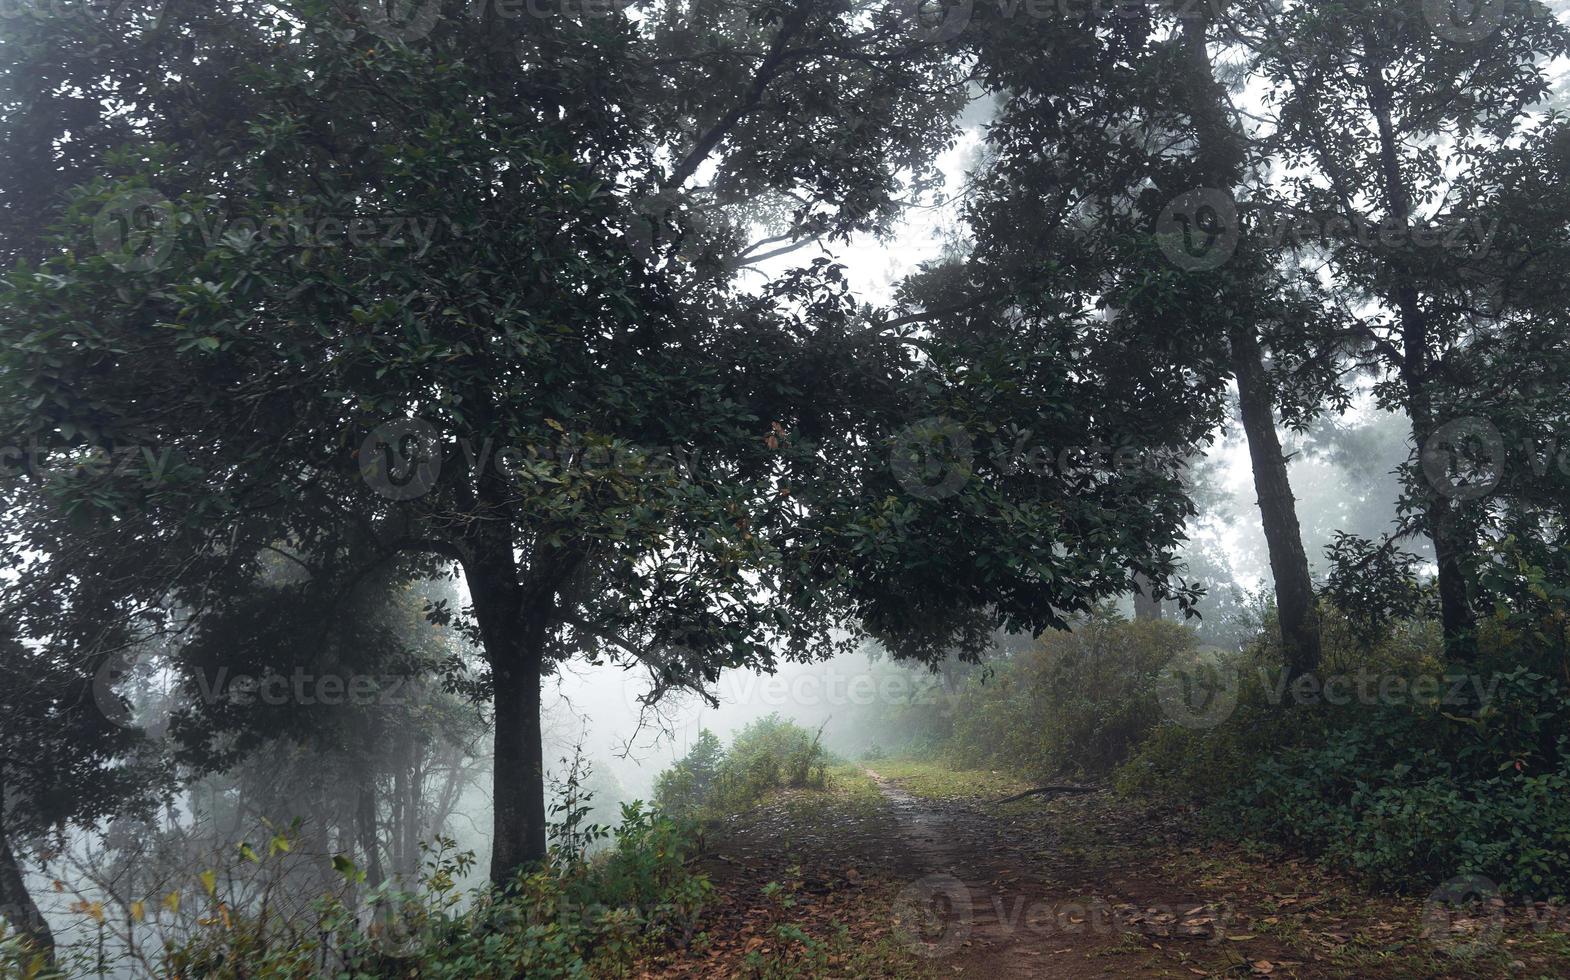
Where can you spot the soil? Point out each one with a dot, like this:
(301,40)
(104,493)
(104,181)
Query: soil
(1071,886)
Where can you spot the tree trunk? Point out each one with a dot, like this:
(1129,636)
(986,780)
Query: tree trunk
(514,626)
(1147,608)
(16,904)
(1451,548)
(411,807)
(1458,621)
(1277,510)
(366,826)
(400,857)
(519,785)
(1221,156)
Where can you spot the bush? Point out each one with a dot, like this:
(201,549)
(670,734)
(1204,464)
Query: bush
(768,754)
(574,918)
(1076,703)
(1406,794)
(685,787)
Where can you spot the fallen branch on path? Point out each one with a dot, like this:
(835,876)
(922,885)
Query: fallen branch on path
(1044,790)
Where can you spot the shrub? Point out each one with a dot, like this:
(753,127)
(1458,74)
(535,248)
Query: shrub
(768,754)
(684,788)
(1077,702)
(1407,794)
(575,917)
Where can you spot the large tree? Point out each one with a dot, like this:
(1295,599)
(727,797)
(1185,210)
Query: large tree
(540,315)
(465,287)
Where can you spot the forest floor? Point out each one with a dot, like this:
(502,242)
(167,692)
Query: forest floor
(910,870)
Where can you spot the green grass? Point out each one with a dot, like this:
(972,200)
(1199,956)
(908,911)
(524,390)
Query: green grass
(936,781)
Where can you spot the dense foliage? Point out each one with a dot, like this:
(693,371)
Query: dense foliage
(565,920)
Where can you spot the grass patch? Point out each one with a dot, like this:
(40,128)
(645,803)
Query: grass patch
(936,781)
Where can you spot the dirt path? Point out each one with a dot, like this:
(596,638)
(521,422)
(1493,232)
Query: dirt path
(981,908)
(916,874)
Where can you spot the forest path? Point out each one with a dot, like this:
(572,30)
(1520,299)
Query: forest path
(997,900)
(912,871)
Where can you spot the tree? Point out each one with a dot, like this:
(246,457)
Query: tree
(1114,138)
(1366,93)
(557,386)
(533,324)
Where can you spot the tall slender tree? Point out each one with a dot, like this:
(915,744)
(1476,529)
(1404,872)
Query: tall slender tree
(1114,134)
(1365,96)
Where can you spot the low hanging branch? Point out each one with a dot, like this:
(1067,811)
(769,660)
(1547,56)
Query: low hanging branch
(1044,790)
